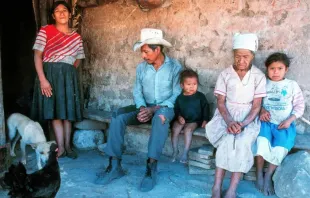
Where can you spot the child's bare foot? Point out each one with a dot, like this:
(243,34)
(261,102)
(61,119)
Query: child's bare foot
(260,181)
(230,194)
(184,159)
(268,185)
(174,155)
(216,192)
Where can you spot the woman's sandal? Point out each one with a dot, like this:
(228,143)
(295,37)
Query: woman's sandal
(72,154)
(63,155)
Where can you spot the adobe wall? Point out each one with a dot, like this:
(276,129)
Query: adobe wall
(201,33)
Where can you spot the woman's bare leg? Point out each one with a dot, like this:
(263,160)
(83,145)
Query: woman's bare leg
(59,134)
(218,181)
(68,131)
(234,181)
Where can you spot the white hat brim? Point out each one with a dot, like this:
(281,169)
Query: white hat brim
(151,41)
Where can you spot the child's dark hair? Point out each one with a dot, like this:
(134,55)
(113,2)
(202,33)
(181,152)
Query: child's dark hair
(278,57)
(188,73)
(57,3)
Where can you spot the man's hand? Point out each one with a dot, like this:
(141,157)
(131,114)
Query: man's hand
(264,115)
(234,127)
(203,124)
(181,120)
(146,113)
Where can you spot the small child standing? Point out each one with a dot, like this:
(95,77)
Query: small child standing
(191,111)
(282,106)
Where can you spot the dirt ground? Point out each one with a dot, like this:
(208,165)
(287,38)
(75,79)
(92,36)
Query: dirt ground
(77,179)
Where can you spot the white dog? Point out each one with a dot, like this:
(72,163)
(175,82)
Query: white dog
(32,134)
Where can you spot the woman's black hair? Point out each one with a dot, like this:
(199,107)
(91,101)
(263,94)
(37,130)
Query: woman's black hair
(188,73)
(57,3)
(278,57)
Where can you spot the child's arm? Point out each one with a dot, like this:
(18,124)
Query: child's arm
(205,111)
(204,124)
(264,115)
(286,123)
(177,111)
(298,108)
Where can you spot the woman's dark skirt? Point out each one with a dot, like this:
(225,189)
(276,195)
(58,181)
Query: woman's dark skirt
(65,103)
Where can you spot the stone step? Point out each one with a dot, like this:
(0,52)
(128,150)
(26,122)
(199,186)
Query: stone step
(201,165)
(193,153)
(206,149)
(88,124)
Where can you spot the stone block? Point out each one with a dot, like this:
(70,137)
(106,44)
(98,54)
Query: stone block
(206,149)
(201,165)
(196,157)
(101,147)
(194,154)
(87,139)
(292,178)
(193,170)
(249,178)
(250,174)
(90,125)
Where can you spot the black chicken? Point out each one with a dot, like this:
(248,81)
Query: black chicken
(42,183)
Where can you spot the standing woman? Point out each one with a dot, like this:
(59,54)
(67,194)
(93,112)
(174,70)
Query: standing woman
(57,52)
(234,127)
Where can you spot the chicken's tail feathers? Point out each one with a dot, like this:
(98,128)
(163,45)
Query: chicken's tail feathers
(15,178)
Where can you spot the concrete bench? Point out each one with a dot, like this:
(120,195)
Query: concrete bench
(137,136)
(302,141)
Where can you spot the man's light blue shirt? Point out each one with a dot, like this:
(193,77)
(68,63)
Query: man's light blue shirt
(160,87)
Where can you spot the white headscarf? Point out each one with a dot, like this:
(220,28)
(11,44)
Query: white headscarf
(245,41)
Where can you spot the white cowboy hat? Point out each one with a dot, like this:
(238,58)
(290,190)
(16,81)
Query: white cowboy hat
(245,41)
(152,37)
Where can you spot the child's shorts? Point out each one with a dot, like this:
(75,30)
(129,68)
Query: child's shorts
(273,144)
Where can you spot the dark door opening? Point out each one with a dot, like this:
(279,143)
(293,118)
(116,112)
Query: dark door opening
(18,71)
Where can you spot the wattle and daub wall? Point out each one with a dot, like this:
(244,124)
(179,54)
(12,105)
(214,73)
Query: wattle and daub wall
(201,34)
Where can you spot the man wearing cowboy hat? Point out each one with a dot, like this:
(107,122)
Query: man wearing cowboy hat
(155,91)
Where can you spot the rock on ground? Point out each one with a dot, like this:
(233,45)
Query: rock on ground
(292,178)
(87,139)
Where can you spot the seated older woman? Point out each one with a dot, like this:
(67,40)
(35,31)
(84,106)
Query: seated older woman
(235,125)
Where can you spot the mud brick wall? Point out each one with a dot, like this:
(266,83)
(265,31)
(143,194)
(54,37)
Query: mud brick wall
(201,34)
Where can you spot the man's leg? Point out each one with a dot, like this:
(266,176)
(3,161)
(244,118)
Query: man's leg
(159,134)
(160,126)
(120,118)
